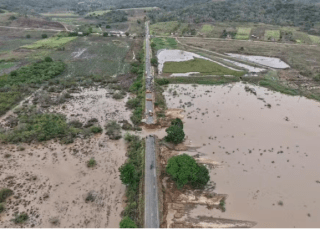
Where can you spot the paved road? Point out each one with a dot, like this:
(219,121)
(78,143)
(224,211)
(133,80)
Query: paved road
(151,189)
(149,80)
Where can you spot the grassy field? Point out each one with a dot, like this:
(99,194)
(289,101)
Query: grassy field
(165,43)
(164,28)
(50,43)
(101,12)
(64,14)
(100,56)
(315,39)
(243,33)
(272,35)
(202,66)
(6,65)
(207,28)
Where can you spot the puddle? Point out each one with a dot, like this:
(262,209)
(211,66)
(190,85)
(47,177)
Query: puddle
(269,160)
(266,61)
(180,56)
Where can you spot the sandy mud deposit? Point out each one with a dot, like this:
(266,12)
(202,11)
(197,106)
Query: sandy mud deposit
(52,181)
(266,61)
(267,149)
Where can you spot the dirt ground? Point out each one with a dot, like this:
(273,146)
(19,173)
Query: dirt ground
(51,181)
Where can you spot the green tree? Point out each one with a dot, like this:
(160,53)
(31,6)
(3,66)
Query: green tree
(44,36)
(175,134)
(183,169)
(177,122)
(28,36)
(126,222)
(128,174)
(48,59)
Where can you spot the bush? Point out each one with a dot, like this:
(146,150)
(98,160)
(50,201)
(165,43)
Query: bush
(108,26)
(154,62)
(2,208)
(12,18)
(129,175)
(133,103)
(4,194)
(113,130)
(28,36)
(177,122)
(126,222)
(19,219)
(175,134)
(48,59)
(105,34)
(96,129)
(162,81)
(183,169)
(44,36)
(317,78)
(91,163)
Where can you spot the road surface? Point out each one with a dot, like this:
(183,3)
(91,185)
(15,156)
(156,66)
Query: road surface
(149,81)
(151,188)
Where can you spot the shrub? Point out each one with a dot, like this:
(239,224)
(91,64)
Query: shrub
(12,18)
(154,62)
(28,36)
(127,34)
(90,197)
(223,205)
(96,129)
(4,194)
(2,208)
(126,222)
(48,59)
(105,34)
(75,124)
(177,122)
(44,36)
(108,26)
(162,81)
(317,78)
(19,219)
(183,169)
(175,134)
(128,174)
(133,103)
(91,163)
(113,130)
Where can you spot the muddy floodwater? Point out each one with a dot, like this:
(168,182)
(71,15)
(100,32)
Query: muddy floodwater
(266,61)
(267,146)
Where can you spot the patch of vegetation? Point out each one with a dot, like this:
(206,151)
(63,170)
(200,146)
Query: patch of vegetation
(201,80)
(164,28)
(222,205)
(183,169)
(37,126)
(91,163)
(177,122)
(272,35)
(90,197)
(6,65)
(2,207)
(164,43)
(113,130)
(315,39)
(277,86)
(131,174)
(96,129)
(202,66)
(21,218)
(35,73)
(207,28)
(138,89)
(243,33)
(4,194)
(50,43)
(126,222)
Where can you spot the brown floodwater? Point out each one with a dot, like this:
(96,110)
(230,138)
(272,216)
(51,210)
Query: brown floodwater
(267,146)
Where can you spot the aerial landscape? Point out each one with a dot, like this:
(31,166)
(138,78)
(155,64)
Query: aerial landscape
(159,114)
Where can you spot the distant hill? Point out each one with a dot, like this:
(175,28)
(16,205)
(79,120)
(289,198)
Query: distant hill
(301,13)
(85,6)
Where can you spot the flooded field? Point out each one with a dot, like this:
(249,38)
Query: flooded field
(51,181)
(180,56)
(266,61)
(267,149)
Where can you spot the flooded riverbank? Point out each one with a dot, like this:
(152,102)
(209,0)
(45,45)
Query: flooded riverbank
(267,146)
